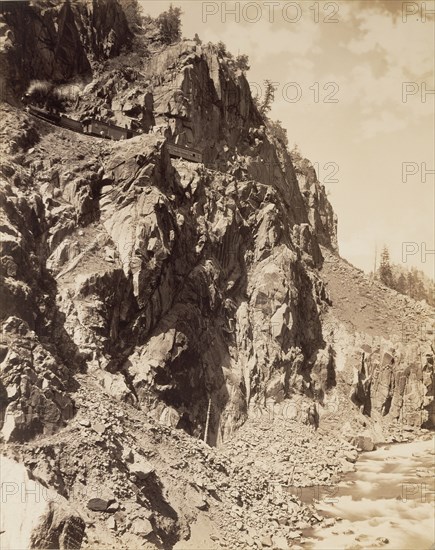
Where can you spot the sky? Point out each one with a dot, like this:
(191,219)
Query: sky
(354,81)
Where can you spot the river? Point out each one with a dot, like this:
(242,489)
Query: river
(388,502)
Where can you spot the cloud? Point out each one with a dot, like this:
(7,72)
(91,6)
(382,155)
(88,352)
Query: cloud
(264,40)
(376,59)
(403,45)
(395,9)
(392,76)
(384,122)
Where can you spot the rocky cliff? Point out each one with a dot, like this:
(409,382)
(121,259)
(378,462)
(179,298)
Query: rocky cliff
(173,291)
(58,41)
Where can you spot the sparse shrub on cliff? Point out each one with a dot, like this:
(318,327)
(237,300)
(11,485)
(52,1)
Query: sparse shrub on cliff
(278,131)
(296,154)
(241,62)
(169,23)
(222,49)
(150,28)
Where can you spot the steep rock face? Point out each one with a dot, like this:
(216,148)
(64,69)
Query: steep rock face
(185,244)
(384,346)
(180,286)
(34,378)
(188,93)
(142,291)
(398,381)
(216,289)
(33,516)
(320,212)
(184,280)
(58,42)
(387,379)
(33,385)
(102,27)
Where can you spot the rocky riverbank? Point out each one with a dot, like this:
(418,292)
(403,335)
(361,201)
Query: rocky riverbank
(122,479)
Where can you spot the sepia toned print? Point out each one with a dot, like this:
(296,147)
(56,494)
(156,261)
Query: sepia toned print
(217,275)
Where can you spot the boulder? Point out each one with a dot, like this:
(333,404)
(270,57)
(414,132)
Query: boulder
(141,468)
(346,466)
(363,442)
(350,456)
(116,386)
(266,541)
(111,523)
(99,427)
(97,504)
(142,527)
(170,417)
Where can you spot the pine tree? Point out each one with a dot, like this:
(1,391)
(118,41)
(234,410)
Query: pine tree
(413,282)
(431,294)
(401,284)
(169,23)
(418,290)
(242,63)
(278,131)
(269,96)
(385,271)
(222,49)
(410,284)
(132,13)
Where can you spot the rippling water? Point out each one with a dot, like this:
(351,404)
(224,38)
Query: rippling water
(390,496)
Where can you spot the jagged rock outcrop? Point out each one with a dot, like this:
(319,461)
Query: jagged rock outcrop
(195,99)
(33,516)
(144,297)
(34,377)
(33,385)
(58,40)
(197,287)
(320,212)
(178,283)
(383,344)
